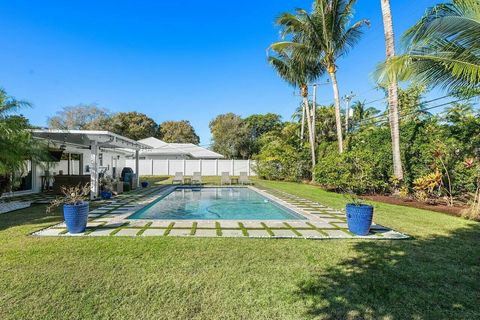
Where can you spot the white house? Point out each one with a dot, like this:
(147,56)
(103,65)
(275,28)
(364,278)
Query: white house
(81,155)
(161,150)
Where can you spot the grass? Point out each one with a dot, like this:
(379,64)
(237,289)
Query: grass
(433,276)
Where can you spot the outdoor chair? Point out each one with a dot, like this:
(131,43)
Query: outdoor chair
(243,179)
(225,178)
(178,177)
(197,177)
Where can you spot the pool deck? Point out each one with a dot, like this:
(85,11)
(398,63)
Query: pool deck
(321,222)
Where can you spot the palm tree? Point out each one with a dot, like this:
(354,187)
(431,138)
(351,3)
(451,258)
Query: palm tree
(392,92)
(442,49)
(16,144)
(297,73)
(324,35)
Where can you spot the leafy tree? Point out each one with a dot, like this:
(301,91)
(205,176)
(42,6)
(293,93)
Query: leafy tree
(178,132)
(79,117)
(282,157)
(260,124)
(230,135)
(442,49)
(324,35)
(133,125)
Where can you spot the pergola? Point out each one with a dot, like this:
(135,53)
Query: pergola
(93,140)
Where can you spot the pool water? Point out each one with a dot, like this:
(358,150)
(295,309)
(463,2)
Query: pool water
(215,204)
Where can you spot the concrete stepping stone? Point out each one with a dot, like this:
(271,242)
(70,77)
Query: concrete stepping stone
(160,223)
(180,232)
(153,232)
(275,224)
(229,224)
(337,233)
(183,224)
(252,224)
(205,224)
(128,232)
(299,224)
(284,233)
(258,233)
(311,233)
(232,233)
(101,232)
(206,233)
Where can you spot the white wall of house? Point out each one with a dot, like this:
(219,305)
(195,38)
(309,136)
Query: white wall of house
(110,159)
(153,167)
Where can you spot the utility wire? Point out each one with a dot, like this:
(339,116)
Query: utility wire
(412,112)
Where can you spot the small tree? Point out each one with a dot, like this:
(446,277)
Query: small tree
(178,132)
(79,117)
(230,136)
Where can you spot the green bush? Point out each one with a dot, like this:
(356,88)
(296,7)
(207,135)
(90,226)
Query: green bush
(354,170)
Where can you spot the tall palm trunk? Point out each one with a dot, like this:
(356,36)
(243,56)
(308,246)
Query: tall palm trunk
(392,92)
(309,124)
(338,119)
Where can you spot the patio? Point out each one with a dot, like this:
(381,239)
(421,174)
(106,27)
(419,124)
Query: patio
(322,222)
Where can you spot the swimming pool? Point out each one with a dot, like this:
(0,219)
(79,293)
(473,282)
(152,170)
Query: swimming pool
(212,203)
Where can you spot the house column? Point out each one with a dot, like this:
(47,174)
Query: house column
(80,165)
(93,170)
(69,166)
(137,169)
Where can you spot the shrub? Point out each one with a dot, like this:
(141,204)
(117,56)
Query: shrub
(354,170)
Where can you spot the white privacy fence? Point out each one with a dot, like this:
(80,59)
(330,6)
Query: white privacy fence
(151,167)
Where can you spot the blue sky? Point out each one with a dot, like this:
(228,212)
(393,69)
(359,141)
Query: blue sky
(172,60)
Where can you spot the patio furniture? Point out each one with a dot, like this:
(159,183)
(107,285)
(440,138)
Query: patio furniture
(197,177)
(178,177)
(225,178)
(244,178)
(68,181)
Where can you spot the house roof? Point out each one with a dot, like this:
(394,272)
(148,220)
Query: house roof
(83,138)
(181,149)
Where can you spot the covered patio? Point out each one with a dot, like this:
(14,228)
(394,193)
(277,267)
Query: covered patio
(99,152)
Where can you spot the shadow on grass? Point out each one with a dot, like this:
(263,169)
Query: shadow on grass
(432,278)
(34,215)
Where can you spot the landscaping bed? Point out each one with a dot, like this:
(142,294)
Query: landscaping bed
(439,207)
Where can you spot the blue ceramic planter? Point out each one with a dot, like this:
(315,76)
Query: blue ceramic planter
(76,217)
(359,218)
(144,184)
(106,195)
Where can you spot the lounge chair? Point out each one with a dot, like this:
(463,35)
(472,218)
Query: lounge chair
(178,177)
(243,179)
(225,178)
(197,178)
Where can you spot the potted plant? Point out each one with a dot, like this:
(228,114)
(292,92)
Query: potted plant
(107,186)
(359,216)
(75,208)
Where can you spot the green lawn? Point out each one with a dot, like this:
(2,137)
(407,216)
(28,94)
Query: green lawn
(436,275)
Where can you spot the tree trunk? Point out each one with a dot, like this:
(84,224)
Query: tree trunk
(302,130)
(309,124)
(392,92)
(338,118)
